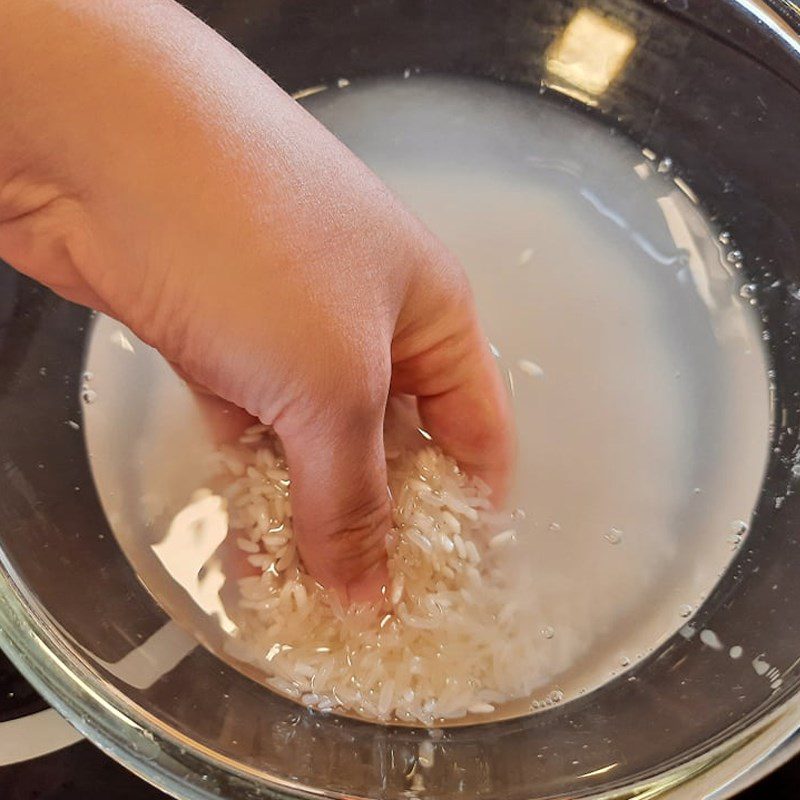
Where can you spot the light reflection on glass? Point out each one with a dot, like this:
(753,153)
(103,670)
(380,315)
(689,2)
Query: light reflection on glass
(590,52)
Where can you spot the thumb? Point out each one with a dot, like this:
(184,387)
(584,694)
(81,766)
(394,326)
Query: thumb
(340,500)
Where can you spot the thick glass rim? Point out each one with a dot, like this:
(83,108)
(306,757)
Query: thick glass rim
(162,756)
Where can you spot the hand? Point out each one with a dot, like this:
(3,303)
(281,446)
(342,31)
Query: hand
(160,177)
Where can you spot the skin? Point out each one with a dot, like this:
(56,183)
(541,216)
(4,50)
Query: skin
(150,171)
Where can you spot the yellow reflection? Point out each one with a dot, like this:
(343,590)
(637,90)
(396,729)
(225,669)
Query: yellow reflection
(590,52)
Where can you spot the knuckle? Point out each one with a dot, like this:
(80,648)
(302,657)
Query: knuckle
(359,537)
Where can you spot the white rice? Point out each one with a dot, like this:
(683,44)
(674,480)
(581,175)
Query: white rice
(446,640)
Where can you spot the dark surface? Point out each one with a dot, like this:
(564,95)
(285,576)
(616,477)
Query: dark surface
(17,698)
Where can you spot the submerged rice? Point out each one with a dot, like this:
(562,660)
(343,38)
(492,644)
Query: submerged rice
(447,639)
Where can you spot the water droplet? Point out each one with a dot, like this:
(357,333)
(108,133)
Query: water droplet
(555,527)
(89,396)
(686,610)
(734,257)
(760,666)
(710,639)
(688,631)
(748,291)
(342,83)
(43,371)
(665,165)
(739,527)
(724,237)
(765,335)
(548,631)
(614,536)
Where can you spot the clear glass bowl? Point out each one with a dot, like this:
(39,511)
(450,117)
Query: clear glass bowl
(714,85)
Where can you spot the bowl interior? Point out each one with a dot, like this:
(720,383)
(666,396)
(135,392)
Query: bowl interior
(722,101)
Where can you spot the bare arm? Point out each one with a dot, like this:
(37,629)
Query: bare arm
(149,170)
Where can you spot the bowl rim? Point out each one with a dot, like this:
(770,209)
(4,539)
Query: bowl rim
(124,731)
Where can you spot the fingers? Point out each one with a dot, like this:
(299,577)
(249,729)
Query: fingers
(340,499)
(442,357)
(471,418)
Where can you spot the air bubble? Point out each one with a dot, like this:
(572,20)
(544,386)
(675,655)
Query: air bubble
(734,257)
(665,165)
(686,610)
(724,237)
(739,527)
(614,536)
(548,631)
(554,526)
(710,639)
(748,291)
(89,396)
(556,696)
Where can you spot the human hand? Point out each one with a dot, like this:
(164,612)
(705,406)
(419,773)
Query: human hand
(231,231)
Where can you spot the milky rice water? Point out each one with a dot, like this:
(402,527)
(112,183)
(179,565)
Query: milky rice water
(638,380)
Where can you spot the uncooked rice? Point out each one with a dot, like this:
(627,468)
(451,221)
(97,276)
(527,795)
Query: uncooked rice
(448,638)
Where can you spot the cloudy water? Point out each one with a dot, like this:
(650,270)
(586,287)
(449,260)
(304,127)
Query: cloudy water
(635,366)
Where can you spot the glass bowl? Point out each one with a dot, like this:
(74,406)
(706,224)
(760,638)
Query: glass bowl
(716,87)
